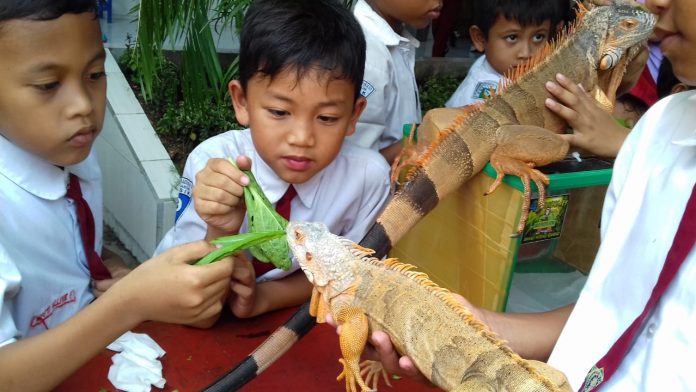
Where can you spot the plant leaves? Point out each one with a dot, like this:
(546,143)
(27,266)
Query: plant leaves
(234,243)
(261,217)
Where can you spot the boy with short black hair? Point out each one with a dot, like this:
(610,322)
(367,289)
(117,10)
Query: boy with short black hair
(299,93)
(52,103)
(508,33)
(390,82)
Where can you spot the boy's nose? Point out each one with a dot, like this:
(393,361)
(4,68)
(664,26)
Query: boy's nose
(525,51)
(301,134)
(81,102)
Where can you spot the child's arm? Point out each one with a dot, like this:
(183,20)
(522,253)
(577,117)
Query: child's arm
(163,289)
(218,196)
(389,153)
(249,299)
(594,129)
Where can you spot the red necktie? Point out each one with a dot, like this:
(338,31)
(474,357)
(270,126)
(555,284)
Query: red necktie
(283,208)
(86,222)
(683,242)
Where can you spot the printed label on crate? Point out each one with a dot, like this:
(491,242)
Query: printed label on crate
(545,224)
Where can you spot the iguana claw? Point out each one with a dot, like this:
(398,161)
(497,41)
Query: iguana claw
(371,372)
(526,172)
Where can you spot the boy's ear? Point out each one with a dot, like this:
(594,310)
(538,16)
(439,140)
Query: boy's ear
(358,108)
(477,38)
(239,102)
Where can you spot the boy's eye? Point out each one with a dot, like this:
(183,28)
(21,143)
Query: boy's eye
(511,38)
(328,119)
(539,38)
(97,75)
(277,113)
(46,87)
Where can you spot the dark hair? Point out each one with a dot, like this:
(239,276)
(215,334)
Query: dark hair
(43,9)
(301,35)
(525,12)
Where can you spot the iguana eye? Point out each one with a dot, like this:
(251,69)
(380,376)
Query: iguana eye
(308,256)
(629,23)
(299,236)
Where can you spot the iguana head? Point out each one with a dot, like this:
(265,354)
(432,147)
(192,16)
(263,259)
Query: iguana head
(324,257)
(629,24)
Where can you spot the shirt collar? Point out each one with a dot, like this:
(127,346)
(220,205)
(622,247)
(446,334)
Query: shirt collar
(380,28)
(36,175)
(274,187)
(688,136)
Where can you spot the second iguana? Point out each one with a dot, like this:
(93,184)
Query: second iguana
(448,345)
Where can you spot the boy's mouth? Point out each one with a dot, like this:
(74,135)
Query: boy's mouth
(83,137)
(297,163)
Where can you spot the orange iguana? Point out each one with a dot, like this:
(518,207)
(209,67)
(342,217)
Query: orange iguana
(443,339)
(513,130)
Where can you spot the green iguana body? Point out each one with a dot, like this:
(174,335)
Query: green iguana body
(443,339)
(513,130)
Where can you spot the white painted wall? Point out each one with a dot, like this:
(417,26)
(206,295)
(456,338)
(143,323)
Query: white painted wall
(140,180)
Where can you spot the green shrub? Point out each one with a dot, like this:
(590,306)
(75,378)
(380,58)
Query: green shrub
(436,91)
(196,123)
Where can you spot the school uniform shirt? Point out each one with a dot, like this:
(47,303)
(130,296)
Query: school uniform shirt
(480,82)
(389,83)
(44,275)
(652,180)
(346,195)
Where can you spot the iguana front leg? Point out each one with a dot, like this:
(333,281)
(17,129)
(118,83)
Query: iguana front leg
(352,338)
(519,148)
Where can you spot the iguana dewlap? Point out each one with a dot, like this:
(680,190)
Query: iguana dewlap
(447,344)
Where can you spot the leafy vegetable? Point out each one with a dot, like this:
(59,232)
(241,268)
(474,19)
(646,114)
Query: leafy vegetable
(263,217)
(235,243)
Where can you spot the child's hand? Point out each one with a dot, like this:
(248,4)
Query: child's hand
(594,129)
(167,289)
(242,299)
(117,268)
(218,195)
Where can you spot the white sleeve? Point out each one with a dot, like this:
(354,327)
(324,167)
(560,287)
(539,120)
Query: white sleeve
(188,226)
(10,280)
(375,195)
(372,130)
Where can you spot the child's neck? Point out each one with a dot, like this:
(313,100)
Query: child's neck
(394,23)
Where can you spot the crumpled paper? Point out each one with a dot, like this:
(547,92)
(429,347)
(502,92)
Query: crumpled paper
(136,367)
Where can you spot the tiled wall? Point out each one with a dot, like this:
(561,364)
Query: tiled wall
(140,179)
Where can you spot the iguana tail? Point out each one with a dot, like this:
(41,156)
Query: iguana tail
(268,352)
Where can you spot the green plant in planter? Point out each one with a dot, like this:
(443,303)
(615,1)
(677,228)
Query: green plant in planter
(200,23)
(436,90)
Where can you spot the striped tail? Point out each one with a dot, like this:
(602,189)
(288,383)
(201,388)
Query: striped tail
(268,352)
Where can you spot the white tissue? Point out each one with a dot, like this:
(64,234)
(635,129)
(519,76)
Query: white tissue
(136,368)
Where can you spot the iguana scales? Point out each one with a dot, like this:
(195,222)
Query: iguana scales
(513,130)
(446,343)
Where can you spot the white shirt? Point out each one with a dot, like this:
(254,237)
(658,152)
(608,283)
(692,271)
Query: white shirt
(44,277)
(346,195)
(652,179)
(479,83)
(389,83)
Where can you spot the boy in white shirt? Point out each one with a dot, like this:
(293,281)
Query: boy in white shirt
(52,102)
(508,33)
(299,93)
(390,82)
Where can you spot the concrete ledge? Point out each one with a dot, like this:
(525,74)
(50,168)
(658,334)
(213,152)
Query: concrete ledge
(140,180)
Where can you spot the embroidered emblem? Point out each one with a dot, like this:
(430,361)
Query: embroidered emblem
(366,89)
(484,90)
(185,187)
(593,379)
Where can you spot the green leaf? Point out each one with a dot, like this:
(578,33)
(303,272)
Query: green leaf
(235,243)
(261,216)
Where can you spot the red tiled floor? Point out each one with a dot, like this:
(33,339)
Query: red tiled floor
(195,358)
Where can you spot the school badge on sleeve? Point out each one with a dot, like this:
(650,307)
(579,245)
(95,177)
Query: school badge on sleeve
(185,187)
(484,90)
